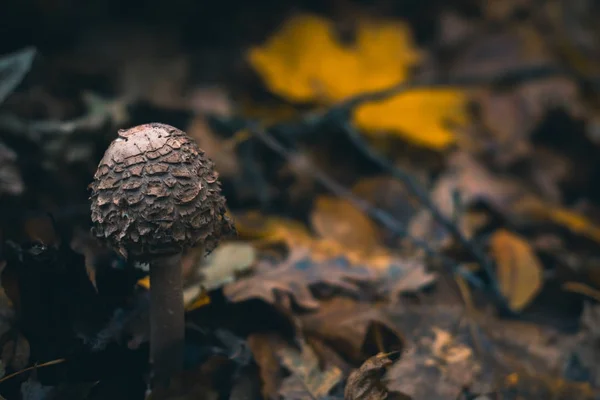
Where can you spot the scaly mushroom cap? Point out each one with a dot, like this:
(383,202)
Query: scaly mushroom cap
(156,192)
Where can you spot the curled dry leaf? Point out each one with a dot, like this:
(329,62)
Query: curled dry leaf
(291,281)
(366,383)
(519,271)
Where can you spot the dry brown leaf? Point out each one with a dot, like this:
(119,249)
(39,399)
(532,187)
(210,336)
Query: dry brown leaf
(467,176)
(356,330)
(519,271)
(264,347)
(423,371)
(366,383)
(291,281)
(339,220)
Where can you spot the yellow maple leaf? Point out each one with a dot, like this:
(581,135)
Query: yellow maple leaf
(422,116)
(305,62)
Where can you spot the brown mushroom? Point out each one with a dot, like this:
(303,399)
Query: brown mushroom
(154,195)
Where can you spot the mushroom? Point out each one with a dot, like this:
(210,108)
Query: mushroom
(154,195)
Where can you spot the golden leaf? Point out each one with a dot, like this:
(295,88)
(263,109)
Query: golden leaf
(421,116)
(305,62)
(518,269)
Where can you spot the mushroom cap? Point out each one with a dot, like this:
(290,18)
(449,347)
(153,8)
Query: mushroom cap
(156,193)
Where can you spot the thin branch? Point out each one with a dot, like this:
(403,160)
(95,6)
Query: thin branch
(417,190)
(36,366)
(298,162)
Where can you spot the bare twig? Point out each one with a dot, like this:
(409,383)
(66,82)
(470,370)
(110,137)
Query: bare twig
(382,217)
(423,197)
(340,115)
(36,366)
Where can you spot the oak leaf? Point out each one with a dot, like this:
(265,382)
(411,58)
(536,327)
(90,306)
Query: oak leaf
(290,282)
(519,271)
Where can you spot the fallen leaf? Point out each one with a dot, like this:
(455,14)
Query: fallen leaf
(219,268)
(354,329)
(291,281)
(424,117)
(225,262)
(264,348)
(423,371)
(305,62)
(366,382)
(519,271)
(466,176)
(582,288)
(381,56)
(576,222)
(307,374)
(339,220)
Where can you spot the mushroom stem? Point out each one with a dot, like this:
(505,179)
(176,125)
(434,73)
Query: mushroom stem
(167,319)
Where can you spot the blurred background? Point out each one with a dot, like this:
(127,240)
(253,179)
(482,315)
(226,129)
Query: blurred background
(432,162)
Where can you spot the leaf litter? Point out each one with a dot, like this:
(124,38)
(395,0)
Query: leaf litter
(413,190)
